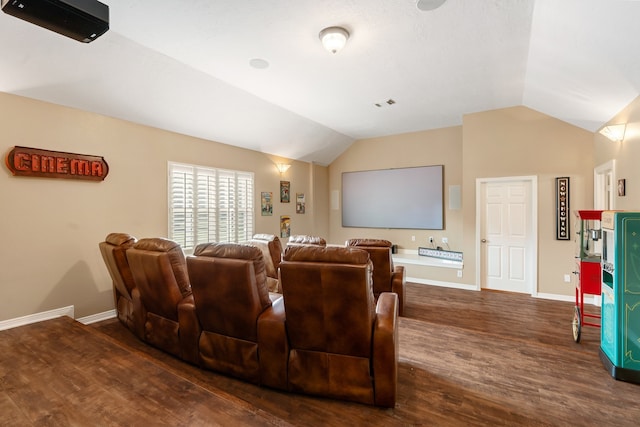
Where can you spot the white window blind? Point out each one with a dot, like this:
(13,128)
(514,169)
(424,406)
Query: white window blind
(209,205)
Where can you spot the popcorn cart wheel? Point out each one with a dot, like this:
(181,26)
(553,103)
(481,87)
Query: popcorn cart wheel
(577,323)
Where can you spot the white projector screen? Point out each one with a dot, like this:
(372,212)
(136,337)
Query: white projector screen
(394,198)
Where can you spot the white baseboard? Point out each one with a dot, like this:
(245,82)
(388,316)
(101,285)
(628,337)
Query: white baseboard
(98,317)
(443,284)
(37,317)
(588,299)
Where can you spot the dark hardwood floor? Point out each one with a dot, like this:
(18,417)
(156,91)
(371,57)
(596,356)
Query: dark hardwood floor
(466,359)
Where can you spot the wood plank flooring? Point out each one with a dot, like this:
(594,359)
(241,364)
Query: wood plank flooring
(466,359)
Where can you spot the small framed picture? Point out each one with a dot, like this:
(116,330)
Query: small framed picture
(300,203)
(285,226)
(266,203)
(285,196)
(622,187)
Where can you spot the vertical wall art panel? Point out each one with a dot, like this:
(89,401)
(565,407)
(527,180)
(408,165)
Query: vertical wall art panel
(562,208)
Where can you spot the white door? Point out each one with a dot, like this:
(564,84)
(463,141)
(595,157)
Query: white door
(507,238)
(603,178)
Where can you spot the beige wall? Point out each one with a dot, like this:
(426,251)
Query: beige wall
(521,142)
(433,147)
(625,154)
(508,142)
(51,227)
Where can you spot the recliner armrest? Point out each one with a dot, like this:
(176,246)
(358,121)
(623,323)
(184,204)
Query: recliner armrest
(385,350)
(189,330)
(273,346)
(398,280)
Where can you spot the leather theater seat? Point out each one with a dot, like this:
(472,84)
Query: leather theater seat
(306,240)
(386,276)
(128,306)
(271,249)
(160,273)
(243,333)
(342,344)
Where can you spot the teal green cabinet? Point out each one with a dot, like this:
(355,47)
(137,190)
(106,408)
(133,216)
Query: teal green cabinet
(620,323)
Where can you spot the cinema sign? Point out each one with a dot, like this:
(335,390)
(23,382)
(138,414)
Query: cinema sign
(24,161)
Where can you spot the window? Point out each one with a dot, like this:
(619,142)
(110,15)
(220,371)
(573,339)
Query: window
(209,205)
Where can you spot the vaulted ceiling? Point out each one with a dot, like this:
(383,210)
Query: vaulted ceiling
(186,66)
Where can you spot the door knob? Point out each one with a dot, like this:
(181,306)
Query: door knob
(484,240)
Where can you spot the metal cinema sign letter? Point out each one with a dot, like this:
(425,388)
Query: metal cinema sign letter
(24,161)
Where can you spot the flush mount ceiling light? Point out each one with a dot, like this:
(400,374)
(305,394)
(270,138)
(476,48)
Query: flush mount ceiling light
(259,63)
(615,133)
(426,5)
(334,38)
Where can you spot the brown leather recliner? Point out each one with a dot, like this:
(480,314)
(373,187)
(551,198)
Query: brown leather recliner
(129,309)
(342,345)
(160,273)
(386,276)
(271,249)
(243,334)
(304,240)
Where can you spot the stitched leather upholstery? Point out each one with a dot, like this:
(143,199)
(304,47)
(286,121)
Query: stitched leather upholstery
(386,276)
(271,249)
(243,335)
(337,333)
(126,297)
(160,273)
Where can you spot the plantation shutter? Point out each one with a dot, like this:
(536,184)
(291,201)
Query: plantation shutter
(209,205)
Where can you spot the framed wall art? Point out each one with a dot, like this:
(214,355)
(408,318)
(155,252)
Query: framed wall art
(300,203)
(622,187)
(285,195)
(285,226)
(562,208)
(266,203)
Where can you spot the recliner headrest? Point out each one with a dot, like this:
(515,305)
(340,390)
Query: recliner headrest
(328,254)
(265,237)
(228,250)
(307,240)
(156,244)
(118,239)
(369,242)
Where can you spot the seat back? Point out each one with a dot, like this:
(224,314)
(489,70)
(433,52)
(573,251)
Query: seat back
(159,270)
(380,255)
(303,239)
(330,313)
(229,285)
(114,253)
(271,248)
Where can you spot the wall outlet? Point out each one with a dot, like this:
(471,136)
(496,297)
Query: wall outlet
(445,240)
(413,238)
(567,278)
(459,273)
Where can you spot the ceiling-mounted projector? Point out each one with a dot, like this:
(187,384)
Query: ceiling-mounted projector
(82,20)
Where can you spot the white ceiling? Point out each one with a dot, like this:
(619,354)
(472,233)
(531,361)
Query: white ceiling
(184,66)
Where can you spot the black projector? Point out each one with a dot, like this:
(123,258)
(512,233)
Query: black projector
(82,20)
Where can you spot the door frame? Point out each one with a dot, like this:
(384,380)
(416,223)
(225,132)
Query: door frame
(533,215)
(603,190)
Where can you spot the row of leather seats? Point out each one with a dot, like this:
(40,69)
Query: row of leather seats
(325,334)
(386,276)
